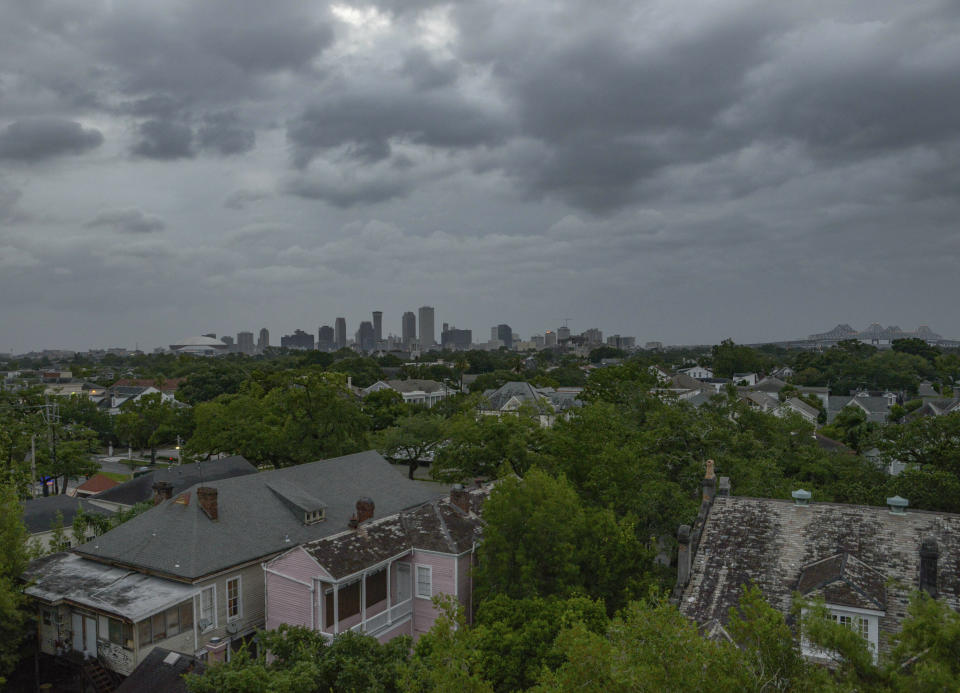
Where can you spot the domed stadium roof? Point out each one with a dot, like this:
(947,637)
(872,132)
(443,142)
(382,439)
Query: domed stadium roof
(202,342)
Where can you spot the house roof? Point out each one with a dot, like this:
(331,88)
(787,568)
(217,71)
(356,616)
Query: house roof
(524,391)
(161,671)
(801,407)
(178,539)
(832,445)
(168,384)
(181,476)
(127,593)
(97,483)
(776,545)
(39,514)
(415,385)
(770,384)
(844,579)
(437,526)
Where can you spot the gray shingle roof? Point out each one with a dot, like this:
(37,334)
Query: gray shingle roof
(176,538)
(181,476)
(161,671)
(776,545)
(39,514)
(436,526)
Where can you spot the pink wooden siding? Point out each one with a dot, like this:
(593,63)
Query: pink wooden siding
(298,564)
(444,582)
(405,628)
(287,602)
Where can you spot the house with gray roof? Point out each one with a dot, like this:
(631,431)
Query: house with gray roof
(41,514)
(421,392)
(186,575)
(876,407)
(865,562)
(546,402)
(141,489)
(380,576)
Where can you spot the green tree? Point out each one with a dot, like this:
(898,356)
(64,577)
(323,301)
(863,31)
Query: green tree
(444,658)
(384,408)
(413,439)
(294,659)
(148,422)
(13,561)
(487,446)
(730,358)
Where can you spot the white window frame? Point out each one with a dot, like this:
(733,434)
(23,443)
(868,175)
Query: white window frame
(213,623)
(416,581)
(867,617)
(239,614)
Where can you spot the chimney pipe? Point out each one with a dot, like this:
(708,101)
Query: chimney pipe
(683,555)
(723,487)
(364,512)
(207,497)
(929,553)
(709,483)
(162,490)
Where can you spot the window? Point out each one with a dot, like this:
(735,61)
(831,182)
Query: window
(121,633)
(144,632)
(376,587)
(159,624)
(857,623)
(349,600)
(233,598)
(47,618)
(403,582)
(186,616)
(173,621)
(313,516)
(424,581)
(208,607)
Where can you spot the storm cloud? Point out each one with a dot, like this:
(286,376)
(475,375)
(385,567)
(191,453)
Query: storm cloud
(676,171)
(43,138)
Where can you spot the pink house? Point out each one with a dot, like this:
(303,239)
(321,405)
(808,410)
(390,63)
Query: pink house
(380,576)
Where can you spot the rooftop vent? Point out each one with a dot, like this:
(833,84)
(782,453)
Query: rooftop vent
(897,505)
(801,497)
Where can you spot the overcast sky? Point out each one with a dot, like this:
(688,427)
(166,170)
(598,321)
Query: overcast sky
(676,170)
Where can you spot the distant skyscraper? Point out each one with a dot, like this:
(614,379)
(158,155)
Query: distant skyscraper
(550,339)
(593,336)
(409,328)
(340,329)
(427,334)
(366,336)
(298,340)
(563,333)
(378,325)
(452,338)
(326,339)
(245,343)
(264,342)
(493,332)
(505,335)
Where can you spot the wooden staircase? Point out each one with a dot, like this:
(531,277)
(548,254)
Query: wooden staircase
(102,680)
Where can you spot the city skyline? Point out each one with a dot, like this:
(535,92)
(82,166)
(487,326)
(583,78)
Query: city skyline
(678,172)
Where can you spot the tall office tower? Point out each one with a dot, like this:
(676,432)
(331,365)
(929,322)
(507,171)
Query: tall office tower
(245,343)
(326,339)
(427,334)
(550,338)
(409,328)
(298,340)
(493,333)
(340,330)
(264,342)
(505,335)
(378,325)
(452,338)
(593,336)
(563,333)
(366,337)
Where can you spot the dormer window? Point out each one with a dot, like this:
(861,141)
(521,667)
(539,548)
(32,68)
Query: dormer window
(313,516)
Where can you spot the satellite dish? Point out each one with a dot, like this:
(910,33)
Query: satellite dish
(233,627)
(204,623)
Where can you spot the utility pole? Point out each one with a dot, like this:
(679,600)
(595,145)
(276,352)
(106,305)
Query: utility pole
(33,464)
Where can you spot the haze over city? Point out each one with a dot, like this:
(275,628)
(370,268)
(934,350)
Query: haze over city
(681,172)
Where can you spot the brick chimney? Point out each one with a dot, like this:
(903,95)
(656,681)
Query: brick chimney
(364,512)
(162,490)
(460,497)
(709,483)
(216,650)
(207,497)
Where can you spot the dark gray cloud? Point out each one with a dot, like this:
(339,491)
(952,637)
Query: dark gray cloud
(750,169)
(225,133)
(43,138)
(164,139)
(127,220)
